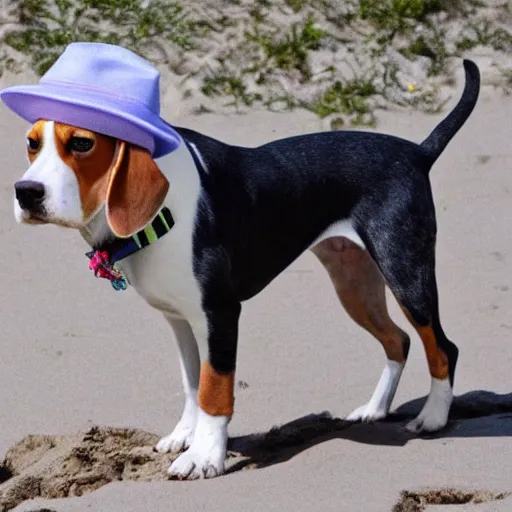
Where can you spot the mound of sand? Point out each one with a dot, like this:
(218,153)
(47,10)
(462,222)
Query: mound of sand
(418,501)
(60,466)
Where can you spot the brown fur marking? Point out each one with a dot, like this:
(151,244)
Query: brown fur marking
(136,191)
(91,169)
(361,289)
(437,359)
(216,391)
(36,133)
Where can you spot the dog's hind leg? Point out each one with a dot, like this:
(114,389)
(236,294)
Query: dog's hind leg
(401,239)
(361,289)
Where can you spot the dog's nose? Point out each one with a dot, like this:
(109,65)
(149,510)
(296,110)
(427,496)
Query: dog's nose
(30,194)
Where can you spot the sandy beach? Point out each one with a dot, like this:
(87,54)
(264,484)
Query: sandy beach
(81,366)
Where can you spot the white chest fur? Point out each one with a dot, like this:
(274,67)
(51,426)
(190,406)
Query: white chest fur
(162,273)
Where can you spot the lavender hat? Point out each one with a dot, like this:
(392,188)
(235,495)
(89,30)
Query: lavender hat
(102,88)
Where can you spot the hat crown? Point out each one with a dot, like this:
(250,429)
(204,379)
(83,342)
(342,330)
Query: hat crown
(107,69)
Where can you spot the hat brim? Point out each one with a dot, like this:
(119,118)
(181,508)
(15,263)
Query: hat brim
(91,110)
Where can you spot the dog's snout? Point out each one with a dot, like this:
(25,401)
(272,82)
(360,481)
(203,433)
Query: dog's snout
(30,194)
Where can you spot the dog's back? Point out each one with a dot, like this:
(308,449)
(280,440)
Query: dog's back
(354,156)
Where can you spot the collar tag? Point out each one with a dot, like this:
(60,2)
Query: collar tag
(102,260)
(99,263)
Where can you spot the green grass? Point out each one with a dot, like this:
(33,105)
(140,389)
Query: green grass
(225,84)
(397,15)
(432,46)
(291,50)
(46,27)
(43,28)
(299,5)
(350,98)
(483,33)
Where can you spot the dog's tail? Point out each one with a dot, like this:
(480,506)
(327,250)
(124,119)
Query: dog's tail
(435,143)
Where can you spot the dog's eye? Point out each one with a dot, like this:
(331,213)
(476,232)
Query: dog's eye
(80,144)
(33,144)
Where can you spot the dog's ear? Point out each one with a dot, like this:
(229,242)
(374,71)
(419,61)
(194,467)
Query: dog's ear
(136,190)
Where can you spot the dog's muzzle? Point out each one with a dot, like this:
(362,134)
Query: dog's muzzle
(30,195)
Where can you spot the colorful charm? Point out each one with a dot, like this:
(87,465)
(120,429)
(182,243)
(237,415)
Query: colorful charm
(100,264)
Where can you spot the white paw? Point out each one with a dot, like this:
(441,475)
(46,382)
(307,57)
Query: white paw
(367,413)
(206,456)
(179,439)
(434,414)
(183,434)
(194,464)
(380,402)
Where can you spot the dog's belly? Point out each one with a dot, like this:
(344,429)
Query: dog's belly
(342,228)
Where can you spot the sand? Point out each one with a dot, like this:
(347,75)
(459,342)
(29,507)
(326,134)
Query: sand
(91,375)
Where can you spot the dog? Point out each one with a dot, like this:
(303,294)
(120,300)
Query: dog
(239,216)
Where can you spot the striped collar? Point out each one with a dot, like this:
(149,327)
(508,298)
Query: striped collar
(103,258)
(120,248)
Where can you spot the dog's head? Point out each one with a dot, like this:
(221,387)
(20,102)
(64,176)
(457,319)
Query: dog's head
(74,172)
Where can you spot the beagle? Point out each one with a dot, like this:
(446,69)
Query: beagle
(236,218)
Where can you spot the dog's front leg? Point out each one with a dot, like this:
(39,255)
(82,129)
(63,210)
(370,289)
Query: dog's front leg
(217,341)
(181,437)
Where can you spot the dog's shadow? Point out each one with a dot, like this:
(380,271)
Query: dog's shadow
(474,414)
